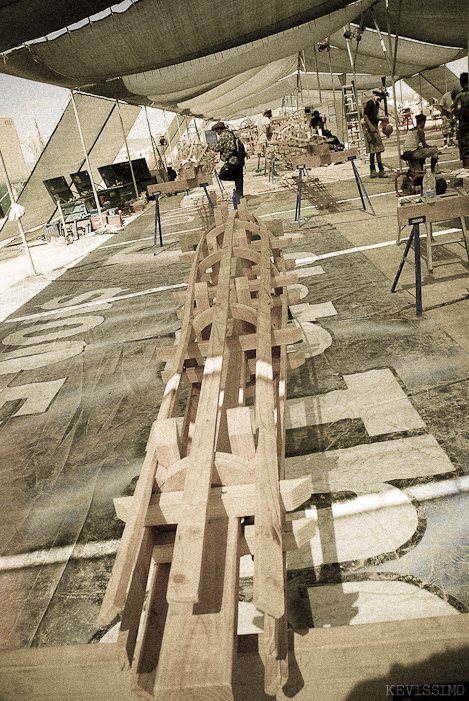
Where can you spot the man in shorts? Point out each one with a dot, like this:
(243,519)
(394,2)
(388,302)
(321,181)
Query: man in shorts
(373,142)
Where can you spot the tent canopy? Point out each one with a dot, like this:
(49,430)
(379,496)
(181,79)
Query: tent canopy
(207,56)
(63,155)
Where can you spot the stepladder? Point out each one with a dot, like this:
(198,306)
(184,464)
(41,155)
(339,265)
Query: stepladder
(353,130)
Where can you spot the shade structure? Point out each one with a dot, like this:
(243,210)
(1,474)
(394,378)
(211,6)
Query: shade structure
(11,151)
(368,55)
(64,155)
(433,83)
(214,58)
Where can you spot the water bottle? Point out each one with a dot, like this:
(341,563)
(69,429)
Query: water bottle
(429,186)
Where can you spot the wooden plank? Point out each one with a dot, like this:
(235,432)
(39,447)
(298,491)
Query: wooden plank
(237,500)
(240,432)
(153,627)
(268,593)
(184,581)
(193,375)
(295,534)
(332,664)
(196,660)
(443,209)
(165,438)
(127,637)
(279,337)
(134,530)
(179,185)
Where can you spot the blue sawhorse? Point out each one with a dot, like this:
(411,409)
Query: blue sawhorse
(158,216)
(361,188)
(415,237)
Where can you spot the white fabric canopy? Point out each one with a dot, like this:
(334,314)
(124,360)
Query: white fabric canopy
(63,155)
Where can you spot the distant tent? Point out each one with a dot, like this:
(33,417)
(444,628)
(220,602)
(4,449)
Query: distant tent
(63,154)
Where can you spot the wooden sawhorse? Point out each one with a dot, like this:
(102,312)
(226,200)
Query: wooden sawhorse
(444,208)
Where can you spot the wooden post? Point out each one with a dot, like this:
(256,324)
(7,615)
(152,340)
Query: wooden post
(88,166)
(127,149)
(20,226)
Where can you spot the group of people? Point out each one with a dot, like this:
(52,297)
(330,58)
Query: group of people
(454,107)
(455,110)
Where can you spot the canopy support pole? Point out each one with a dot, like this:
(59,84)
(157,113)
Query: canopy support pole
(317,74)
(154,146)
(88,167)
(127,149)
(393,55)
(12,202)
(333,88)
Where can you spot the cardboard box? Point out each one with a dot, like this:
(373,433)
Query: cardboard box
(114,220)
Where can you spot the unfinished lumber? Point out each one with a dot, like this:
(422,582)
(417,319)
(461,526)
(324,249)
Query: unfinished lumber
(184,581)
(208,469)
(235,500)
(196,659)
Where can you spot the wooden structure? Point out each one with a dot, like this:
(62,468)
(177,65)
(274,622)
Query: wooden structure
(179,185)
(194,158)
(293,139)
(210,489)
(342,663)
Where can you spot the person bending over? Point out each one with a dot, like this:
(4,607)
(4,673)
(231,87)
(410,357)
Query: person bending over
(233,167)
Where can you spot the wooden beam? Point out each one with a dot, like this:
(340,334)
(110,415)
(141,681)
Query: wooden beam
(279,337)
(184,580)
(134,530)
(237,500)
(196,660)
(295,534)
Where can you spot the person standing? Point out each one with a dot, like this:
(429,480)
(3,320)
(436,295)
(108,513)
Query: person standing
(461,112)
(448,121)
(374,144)
(264,131)
(416,145)
(233,167)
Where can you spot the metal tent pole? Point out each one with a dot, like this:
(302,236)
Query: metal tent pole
(12,202)
(390,55)
(153,144)
(317,74)
(393,55)
(127,149)
(88,167)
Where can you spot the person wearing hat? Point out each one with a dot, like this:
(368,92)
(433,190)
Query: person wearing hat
(318,123)
(461,112)
(373,142)
(233,165)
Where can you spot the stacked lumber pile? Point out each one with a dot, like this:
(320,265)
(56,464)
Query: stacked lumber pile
(211,488)
(194,158)
(292,139)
